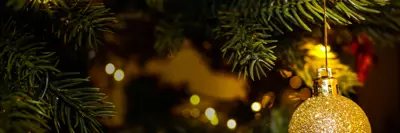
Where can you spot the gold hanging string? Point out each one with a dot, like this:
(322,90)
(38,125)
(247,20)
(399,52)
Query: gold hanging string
(325,37)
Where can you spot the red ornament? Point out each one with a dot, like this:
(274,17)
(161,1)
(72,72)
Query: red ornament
(362,49)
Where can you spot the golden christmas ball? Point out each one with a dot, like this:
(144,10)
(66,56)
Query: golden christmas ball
(335,114)
(328,112)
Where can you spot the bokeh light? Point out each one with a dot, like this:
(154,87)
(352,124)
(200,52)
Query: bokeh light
(210,113)
(119,75)
(110,68)
(256,106)
(231,124)
(194,99)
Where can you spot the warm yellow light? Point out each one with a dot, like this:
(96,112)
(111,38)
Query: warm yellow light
(110,68)
(256,106)
(319,51)
(210,113)
(214,121)
(322,48)
(195,112)
(119,75)
(231,124)
(194,99)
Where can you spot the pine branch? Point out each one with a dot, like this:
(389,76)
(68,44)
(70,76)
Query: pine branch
(77,105)
(247,24)
(84,23)
(273,15)
(246,46)
(21,114)
(22,59)
(77,22)
(382,28)
(69,104)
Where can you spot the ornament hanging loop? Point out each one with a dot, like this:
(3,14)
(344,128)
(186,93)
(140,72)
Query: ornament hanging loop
(325,84)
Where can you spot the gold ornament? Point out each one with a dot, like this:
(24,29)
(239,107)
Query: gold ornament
(328,112)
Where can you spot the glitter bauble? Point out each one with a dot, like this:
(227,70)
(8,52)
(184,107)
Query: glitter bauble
(330,114)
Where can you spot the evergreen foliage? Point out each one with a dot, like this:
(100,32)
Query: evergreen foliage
(250,29)
(37,97)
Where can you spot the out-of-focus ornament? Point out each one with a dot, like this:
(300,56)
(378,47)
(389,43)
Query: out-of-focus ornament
(328,112)
(295,82)
(362,49)
(305,93)
(268,100)
(290,98)
(285,73)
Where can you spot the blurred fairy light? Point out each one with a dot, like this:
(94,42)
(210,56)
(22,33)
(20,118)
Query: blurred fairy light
(194,99)
(210,113)
(214,121)
(195,112)
(231,124)
(212,116)
(119,75)
(110,68)
(256,106)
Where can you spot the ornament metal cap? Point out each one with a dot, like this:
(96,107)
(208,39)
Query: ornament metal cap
(325,84)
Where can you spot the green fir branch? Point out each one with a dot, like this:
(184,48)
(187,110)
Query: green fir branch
(249,26)
(69,104)
(23,61)
(84,23)
(382,28)
(21,114)
(76,106)
(277,17)
(247,46)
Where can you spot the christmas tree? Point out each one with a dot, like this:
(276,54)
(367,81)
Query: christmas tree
(40,93)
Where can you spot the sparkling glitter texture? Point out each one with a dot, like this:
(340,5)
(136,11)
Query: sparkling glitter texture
(328,112)
(332,114)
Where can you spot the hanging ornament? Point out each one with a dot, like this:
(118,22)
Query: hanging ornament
(328,112)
